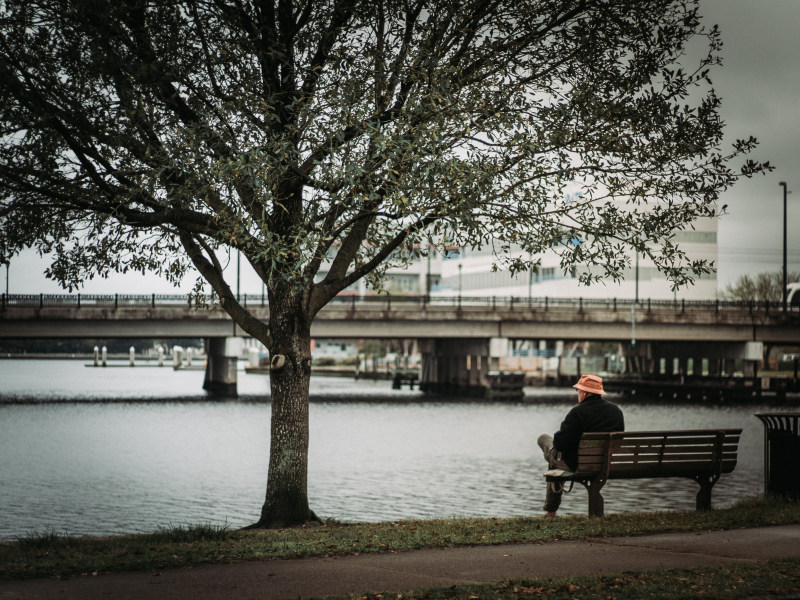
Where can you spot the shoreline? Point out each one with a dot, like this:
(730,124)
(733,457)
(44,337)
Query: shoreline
(791,403)
(46,555)
(725,391)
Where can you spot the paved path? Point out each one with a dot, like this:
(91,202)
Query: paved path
(424,568)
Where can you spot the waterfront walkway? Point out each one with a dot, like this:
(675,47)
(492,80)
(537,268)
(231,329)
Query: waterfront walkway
(421,569)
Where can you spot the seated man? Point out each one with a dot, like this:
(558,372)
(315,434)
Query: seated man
(593,413)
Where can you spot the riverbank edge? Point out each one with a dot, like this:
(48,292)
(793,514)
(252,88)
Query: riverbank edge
(52,555)
(791,404)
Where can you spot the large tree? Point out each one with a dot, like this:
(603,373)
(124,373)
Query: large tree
(324,139)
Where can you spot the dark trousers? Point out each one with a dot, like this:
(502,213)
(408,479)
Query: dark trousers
(552,499)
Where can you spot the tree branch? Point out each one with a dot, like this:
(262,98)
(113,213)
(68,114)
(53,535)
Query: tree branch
(213,274)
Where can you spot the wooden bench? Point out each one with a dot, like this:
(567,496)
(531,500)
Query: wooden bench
(699,454)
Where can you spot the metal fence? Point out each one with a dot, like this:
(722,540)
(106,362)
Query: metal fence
(386,302)
(93,300)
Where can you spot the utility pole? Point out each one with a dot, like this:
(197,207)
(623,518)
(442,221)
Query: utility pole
(785,275)
(428,276)
(8,263)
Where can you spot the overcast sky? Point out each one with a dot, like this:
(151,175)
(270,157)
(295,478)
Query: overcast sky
(760,90)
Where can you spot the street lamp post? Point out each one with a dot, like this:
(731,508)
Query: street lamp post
(428,276)
(238,272)
(8,264)
(785,286)
(530,280)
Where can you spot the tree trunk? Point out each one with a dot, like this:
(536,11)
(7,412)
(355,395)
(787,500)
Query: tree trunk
(286,503)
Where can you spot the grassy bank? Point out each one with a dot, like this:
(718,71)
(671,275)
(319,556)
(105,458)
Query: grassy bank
(736,580)
(43,555)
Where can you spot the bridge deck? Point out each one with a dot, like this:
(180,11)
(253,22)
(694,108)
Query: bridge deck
(76,315)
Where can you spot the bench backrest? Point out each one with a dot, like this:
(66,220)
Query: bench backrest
(634,454)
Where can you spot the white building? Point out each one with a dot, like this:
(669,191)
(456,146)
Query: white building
(471,274)
(423,276)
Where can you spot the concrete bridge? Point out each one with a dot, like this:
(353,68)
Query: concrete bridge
(461,338)
(153,316)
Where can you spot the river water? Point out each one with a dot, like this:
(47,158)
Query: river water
(97,451)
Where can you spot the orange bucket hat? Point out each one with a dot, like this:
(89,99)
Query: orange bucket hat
(590,383)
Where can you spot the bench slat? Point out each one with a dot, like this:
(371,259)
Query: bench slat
(631,471)
(666,452)
(654,458)
(676,443)
(597,451)
(670,450)
(660,449)
(658,435)
(593,438)
(675,433)
(646,470)
(666,443)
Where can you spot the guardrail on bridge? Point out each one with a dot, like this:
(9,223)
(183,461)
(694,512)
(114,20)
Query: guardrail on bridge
(11,301)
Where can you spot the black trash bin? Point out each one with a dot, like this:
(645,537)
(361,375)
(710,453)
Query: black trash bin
(781,453)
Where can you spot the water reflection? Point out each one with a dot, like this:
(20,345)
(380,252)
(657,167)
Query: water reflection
(102,468)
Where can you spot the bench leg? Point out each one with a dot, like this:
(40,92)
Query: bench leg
(596,502)
(706,482)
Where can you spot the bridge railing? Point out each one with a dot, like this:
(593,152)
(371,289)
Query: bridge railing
(570,303)
(354,301)
(91,300)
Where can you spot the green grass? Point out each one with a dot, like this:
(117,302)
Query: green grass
(48,554)
(736,580)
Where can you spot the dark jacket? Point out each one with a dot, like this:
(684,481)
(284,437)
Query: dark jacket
(593,414)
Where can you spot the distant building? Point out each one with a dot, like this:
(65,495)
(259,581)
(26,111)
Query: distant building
(472,274)
(334,349)
(423,276)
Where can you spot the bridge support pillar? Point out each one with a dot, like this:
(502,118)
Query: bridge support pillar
(468,367)
(221,365)
(713,367)
(730,367)
(498,348)
(669,365)
(639,358)
(697,367)
(454,367)
(683,365)
(694,369)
